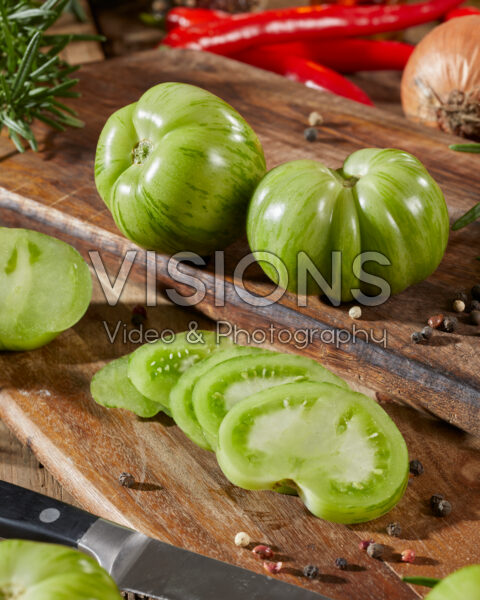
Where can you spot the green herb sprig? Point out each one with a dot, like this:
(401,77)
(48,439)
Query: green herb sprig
(34,80)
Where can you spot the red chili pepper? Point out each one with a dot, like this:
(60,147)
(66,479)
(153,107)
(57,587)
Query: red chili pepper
(466,11)
(181,16)
(304,71)
(345,56)
(226,36)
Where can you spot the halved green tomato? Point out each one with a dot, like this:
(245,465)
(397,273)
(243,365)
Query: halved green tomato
(339,448)
(238,378)
(155,368)
(45,288)
(112,388)
(33,571)
(181,404)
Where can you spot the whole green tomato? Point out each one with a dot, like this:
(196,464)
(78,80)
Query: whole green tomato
(177,169)
(34,571)
(381,201)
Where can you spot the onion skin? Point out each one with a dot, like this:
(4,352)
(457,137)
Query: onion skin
(441,82)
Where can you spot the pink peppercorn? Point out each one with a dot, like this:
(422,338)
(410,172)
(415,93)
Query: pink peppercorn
(408,556)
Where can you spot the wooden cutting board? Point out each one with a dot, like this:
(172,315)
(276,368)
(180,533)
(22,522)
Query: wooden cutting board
(182,497)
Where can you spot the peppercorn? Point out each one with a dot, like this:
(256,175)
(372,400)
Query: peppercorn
(364,544)
(449,324)
(475,317)
(435,321)
(435,499)
(474,305)
(458,306)
(408,555)
(341,563)
(461,295)
(242,539)
(126,480)
(375,550)
(355,312)
(310,571)
(139,315)
(394,529)
(427,332)
(263,551)
(476,292)
(442,508)
(315,119)
(272,568)
(417,337)
(310,134)
(416,467)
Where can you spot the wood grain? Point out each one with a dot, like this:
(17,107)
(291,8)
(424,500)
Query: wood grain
(181,495)
(57,187)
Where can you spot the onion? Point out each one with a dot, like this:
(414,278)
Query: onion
(441,82)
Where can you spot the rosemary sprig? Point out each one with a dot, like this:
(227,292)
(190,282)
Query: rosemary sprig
(33,78)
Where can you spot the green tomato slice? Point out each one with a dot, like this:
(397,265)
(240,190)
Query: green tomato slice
(155,368)
(181,402)
(463,584)
(33,571)
(45,288)
(339,448)
(238,378)
(112,388)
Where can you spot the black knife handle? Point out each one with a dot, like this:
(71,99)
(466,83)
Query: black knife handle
(27,515)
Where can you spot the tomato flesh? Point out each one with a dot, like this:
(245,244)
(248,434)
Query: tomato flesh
(340,449)
(45,288)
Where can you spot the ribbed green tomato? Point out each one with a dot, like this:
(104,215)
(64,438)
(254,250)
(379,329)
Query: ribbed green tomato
(381,201)
(33,571)
(45,288)
(177,169)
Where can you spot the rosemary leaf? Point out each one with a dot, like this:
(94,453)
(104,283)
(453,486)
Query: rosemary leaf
(469,217)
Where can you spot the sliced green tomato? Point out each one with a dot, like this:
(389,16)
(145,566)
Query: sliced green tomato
(33,571)
(462,585)
(45,288)
(112,388)
(181,404)
(340,450)
(155,368)
(238,378)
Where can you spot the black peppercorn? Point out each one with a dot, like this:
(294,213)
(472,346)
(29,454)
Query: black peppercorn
(473,305)
(442,508)
(416,467)
(139,315)
(394,529)
(417,337)
(435,499)
(310,571)
(310,134)
(476,292)
(375,550)
(427,332)
(341,563)
(126,480)
(461,295)
(449,324)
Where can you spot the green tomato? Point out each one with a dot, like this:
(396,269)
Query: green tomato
(231,381)
(177,169)
(45,288)
(381,201)
(339,448)
(33,571)
(462,585)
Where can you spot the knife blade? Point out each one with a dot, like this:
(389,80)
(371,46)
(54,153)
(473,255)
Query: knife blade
(138,564)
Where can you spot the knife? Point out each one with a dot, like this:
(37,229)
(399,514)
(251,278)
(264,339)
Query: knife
(137,563)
